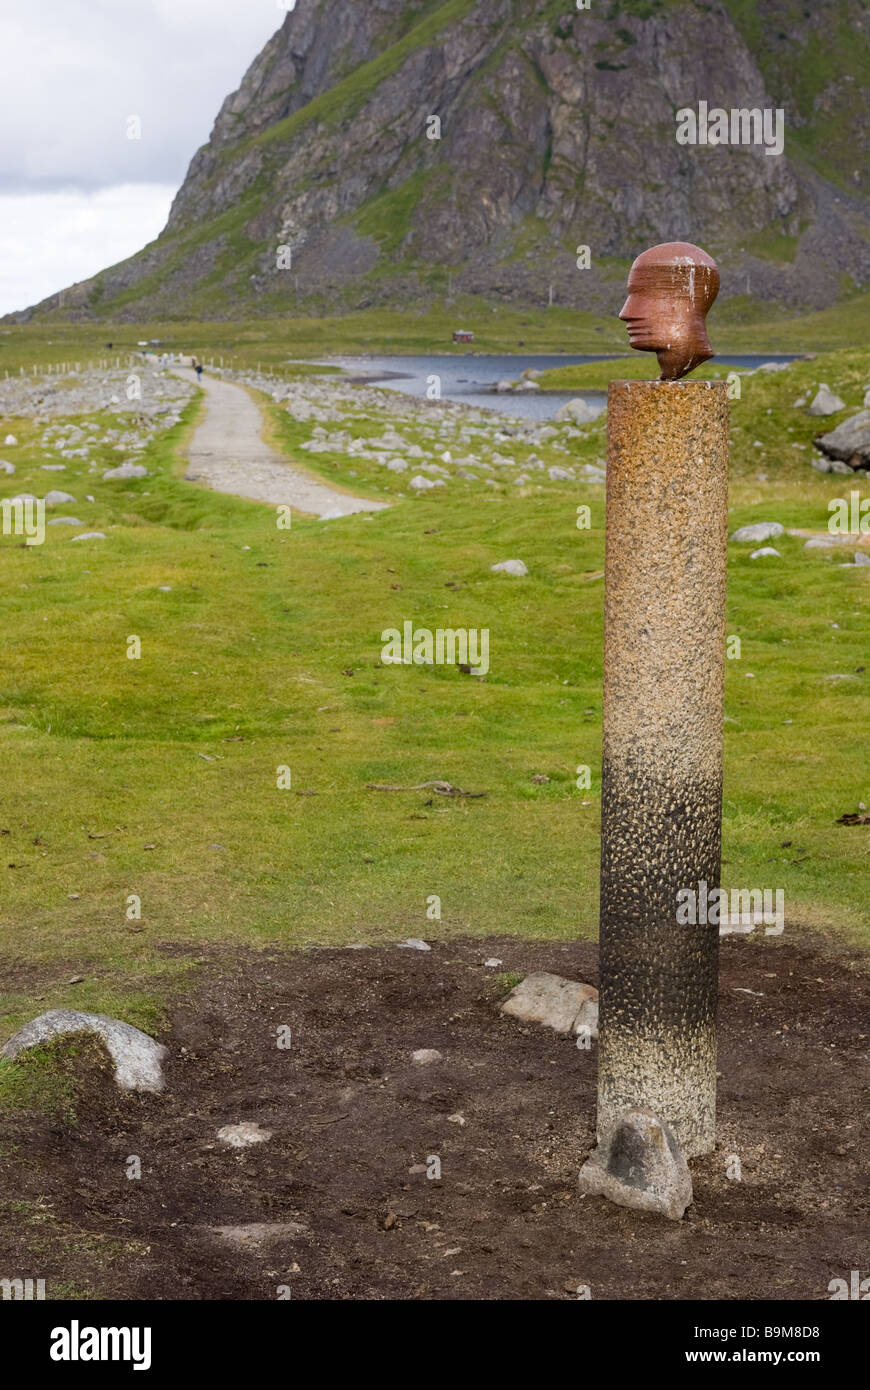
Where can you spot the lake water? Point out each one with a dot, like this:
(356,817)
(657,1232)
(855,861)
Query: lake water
(469,380)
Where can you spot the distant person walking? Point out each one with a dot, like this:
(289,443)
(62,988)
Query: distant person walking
(197,367)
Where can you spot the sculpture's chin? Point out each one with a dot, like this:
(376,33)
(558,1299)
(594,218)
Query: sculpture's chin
(677,360)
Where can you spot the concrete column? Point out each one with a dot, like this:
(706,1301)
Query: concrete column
(661,813)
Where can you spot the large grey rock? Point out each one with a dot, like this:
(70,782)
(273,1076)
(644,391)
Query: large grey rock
(639,1164)
(138,1059)
(758,531)
(849,443)
(514,567)
(561,1004)
(825,402)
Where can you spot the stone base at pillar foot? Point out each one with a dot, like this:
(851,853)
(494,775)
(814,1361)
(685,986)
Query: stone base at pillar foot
(639,1164)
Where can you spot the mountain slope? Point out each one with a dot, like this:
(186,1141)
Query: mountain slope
(557,129)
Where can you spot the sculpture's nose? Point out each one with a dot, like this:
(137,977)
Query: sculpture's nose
(625,312)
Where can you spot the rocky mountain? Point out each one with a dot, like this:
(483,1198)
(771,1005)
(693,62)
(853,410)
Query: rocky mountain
(393,151)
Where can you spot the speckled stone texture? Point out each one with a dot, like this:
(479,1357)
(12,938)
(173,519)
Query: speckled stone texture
(667,489)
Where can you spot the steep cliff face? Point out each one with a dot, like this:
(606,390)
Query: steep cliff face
(379,151)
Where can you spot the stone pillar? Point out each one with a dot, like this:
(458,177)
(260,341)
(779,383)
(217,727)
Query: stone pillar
(661,800)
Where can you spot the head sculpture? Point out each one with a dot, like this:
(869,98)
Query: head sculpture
(670,289)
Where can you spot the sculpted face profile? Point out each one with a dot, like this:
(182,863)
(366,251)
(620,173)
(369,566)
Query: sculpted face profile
(670,289)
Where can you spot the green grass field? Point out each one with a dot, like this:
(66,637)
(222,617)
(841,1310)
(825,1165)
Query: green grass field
(157,777)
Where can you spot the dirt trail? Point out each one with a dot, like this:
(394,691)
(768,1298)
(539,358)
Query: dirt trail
(228,454)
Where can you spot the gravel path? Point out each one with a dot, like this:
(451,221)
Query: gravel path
(228,454)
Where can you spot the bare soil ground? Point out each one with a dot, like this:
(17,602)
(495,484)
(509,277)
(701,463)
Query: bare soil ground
(509,1112)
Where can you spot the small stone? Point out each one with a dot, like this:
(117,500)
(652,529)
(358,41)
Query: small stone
(54,498)
(758,531)
(138,1059)
(414,943)
(493,963)
(7,467)
(10,439)
(419,483)
(862,558)
(242,1136)
(765,550)
(553,1001)
(514,567)
(65,521)
(639,1164)
(425,1056)
(90,536)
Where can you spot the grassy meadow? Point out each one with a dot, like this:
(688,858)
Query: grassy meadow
(261,649)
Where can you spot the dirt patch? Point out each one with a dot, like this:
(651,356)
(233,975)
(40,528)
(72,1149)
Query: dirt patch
(508,1112)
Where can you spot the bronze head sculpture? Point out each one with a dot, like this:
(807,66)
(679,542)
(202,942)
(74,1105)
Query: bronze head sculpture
(670,289)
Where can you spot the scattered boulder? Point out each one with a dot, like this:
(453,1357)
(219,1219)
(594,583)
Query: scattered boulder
(54,498)
(561,1004)
(90,536)
(825,402)
(560,474)
(861,558)
(594,472)
(577,412)
(243,1135)
(827,542)
(848,444)
(65,521)
(639,1164)
(127,469)
(10,439)
(7,467)
(758,531)
(138,1059)
(763,552)
(514,567)
(414,943)
(419,483)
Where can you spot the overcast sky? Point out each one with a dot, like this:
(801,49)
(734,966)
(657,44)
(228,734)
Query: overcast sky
(76,194)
